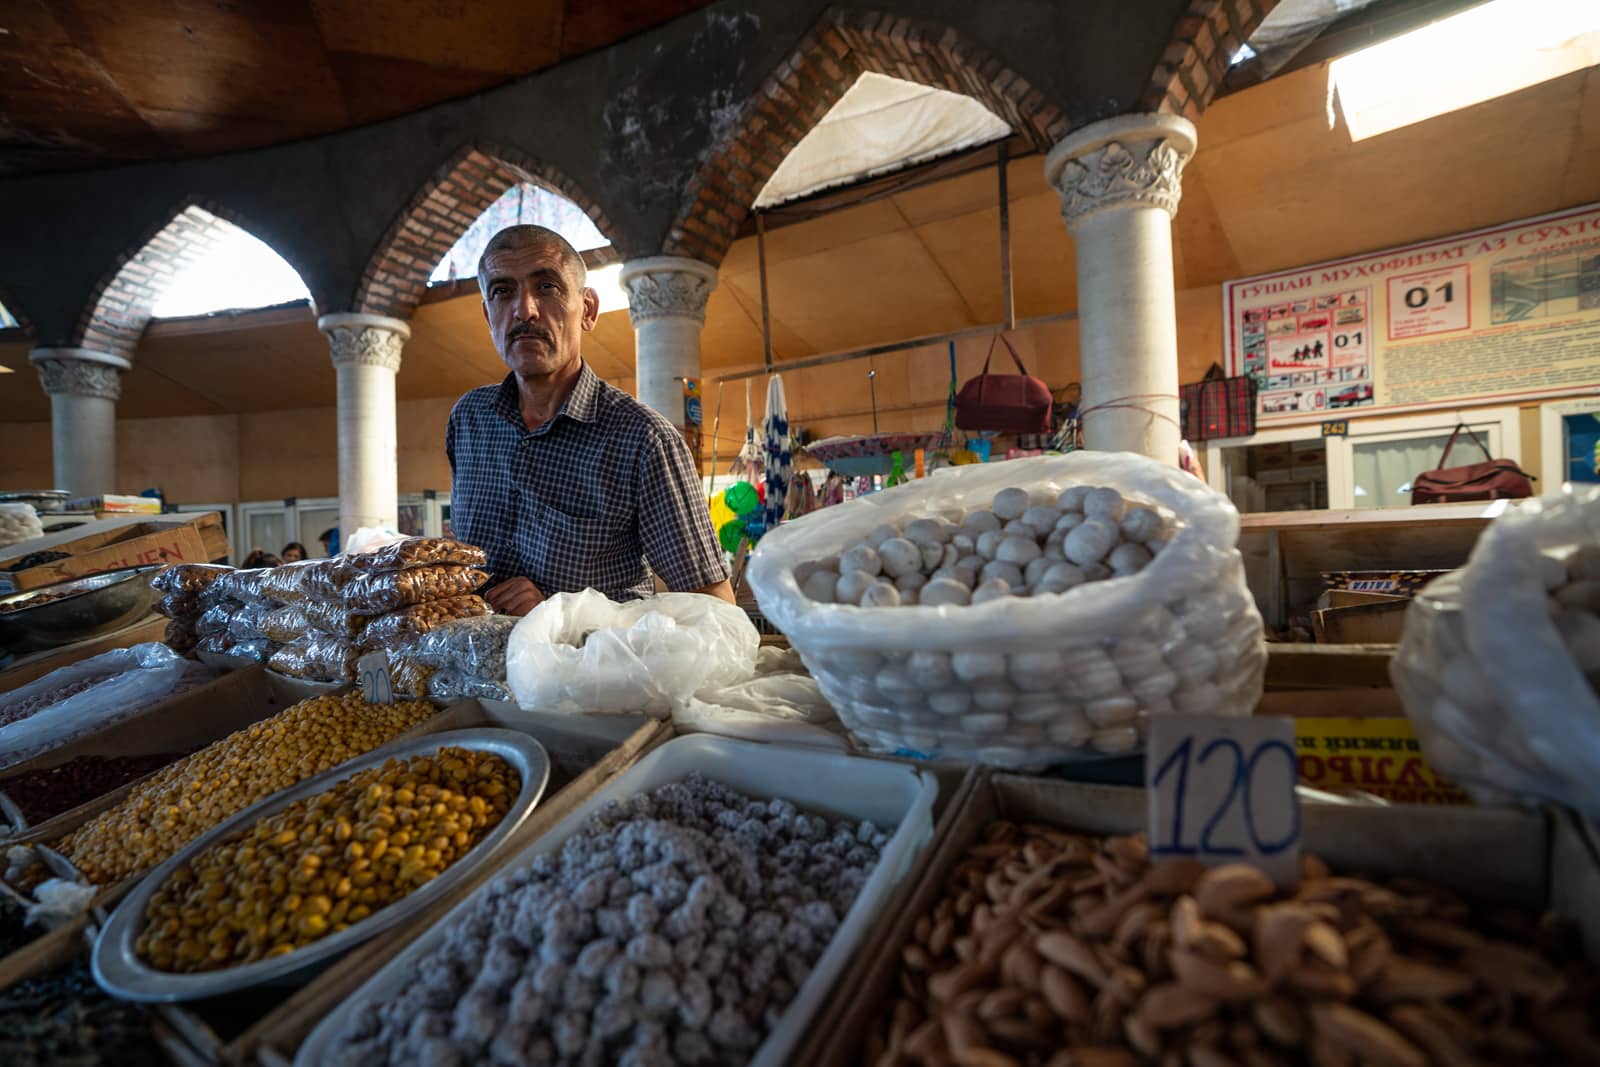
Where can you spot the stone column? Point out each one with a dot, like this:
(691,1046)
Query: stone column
(667,303)
(84,386)
(1119,186)
(366,357)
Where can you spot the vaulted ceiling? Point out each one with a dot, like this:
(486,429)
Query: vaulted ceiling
(86,83)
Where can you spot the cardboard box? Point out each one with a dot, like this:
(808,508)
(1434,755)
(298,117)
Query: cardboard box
(112,544)
(1361,624)
(1539,861)
(1392,583)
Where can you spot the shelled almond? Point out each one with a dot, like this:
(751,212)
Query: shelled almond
(1067,950)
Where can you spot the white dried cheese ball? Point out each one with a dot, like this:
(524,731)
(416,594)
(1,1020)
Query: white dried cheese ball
(1071,498)
(945,591)
(978,666)
(898,556)
(1036,671)
(989,543)
(1103,501)
(1010,572)
(977,522)
(926,532)
(1087,544)
(881,534)
(992,589)
(820,586)
(1141,524)
(1096,572)
(881,594)
(1011,503)
(930,669)
(852,585)
(1128,559)
(1018,550)
(1035,570)
(862,559)
(1042,517)
(910,583)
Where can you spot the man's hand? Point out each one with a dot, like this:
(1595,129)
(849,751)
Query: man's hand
(518,596)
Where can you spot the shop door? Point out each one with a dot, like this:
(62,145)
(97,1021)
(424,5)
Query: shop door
(265,525)
(313,518)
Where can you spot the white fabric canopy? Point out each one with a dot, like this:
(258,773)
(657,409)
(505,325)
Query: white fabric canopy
(880,124)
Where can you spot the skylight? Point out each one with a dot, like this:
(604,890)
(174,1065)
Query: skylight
(878,125)
(237,271)
(524,203)
(1483,52)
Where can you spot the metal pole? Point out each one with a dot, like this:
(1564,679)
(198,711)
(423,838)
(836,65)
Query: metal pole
(872,385)
(766,311)
(716,434)
(1008,304)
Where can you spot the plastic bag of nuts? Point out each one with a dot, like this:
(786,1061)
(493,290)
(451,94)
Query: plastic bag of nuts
(318,659)
(286,623)
(188,577)
(287,582)
(332,617)
(1022,613)
(420,618)
(418,552)
(379,592)
(178,606)
(1051,947)
(475,646)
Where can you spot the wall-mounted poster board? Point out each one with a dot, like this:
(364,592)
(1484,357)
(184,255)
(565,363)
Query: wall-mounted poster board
(1507,313)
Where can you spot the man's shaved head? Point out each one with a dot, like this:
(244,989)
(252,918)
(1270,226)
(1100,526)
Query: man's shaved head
(530,236)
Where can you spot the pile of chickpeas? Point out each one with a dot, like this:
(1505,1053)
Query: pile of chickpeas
(178,804)
(326,862)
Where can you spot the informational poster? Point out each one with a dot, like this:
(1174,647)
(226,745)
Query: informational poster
(1503,314)
(1378,756)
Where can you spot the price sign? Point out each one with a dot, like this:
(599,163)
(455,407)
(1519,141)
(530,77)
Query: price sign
(1222,791)
(373,671)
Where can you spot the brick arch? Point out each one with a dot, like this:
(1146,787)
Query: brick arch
(1196,58)
(827,61)
(436,217)
(118,309)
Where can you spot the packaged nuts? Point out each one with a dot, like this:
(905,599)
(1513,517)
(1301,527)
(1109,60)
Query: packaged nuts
(416,552)
(420,618)
(376,593)
(188,577)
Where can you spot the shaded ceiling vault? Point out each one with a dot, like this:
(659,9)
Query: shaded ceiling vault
(632,133)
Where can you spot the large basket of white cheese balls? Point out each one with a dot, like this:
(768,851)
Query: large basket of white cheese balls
(1020,613)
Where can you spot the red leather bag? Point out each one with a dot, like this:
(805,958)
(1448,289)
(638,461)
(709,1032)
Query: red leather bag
(1010,403)
(1493,479)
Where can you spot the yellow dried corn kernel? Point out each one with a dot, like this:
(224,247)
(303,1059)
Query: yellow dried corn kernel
(189,797)
(215,913)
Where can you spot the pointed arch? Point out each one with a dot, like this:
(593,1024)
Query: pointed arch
(1196,59)
(827,61)
(119,307)
(435,218)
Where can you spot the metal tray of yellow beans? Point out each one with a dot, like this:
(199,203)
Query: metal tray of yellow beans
(121,972)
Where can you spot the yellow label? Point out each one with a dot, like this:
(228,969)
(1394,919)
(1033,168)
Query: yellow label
(1378,756)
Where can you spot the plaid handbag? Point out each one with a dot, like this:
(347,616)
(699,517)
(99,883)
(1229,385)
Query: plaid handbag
(1218,406)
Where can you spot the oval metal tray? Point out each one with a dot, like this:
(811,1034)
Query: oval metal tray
(120,971)
(77,609)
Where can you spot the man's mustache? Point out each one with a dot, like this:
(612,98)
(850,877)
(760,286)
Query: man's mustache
(527,329)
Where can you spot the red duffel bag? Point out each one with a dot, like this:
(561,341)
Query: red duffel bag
(1493,479)
(1009,403)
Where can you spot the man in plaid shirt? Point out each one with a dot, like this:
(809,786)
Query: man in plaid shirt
(566,482)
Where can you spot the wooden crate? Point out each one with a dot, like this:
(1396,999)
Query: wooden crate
(115,543)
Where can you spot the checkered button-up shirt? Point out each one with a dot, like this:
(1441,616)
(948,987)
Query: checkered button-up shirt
(584,500)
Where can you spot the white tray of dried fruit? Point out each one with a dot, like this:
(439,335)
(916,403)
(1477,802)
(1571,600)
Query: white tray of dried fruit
(550,969)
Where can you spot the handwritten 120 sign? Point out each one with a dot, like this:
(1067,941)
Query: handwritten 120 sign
(1221,790)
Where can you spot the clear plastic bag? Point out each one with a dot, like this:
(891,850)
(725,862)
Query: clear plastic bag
(215,619)
(582,652)
(1493,663)
(121,683)
(246,623)
(475,647)
(325,579)
(379,592)
(319,659)
(332,617)
(243,584)
(454,685)
(1027,681)
(284,624)
(19,523)
(188,577)
(178,606)
(181,637)
(408,676)
(418,552)
(419,619)
(287,582)
(220,650)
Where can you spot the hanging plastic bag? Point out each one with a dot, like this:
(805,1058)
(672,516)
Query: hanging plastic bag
(91,695)
(1500,659)
(582,652)
(781,703)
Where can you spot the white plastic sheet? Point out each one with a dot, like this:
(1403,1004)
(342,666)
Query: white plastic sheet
(582,652)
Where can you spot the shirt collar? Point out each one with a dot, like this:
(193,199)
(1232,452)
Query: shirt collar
(581,403)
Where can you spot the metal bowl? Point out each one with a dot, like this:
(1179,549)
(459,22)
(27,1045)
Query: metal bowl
(120,971)
(75,610)
(43,500)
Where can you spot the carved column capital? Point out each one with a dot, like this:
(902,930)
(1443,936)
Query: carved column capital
(1122,162)
(667,287)
(366,340)
(79,372)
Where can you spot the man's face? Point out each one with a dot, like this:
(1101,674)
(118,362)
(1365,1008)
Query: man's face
(536,310)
